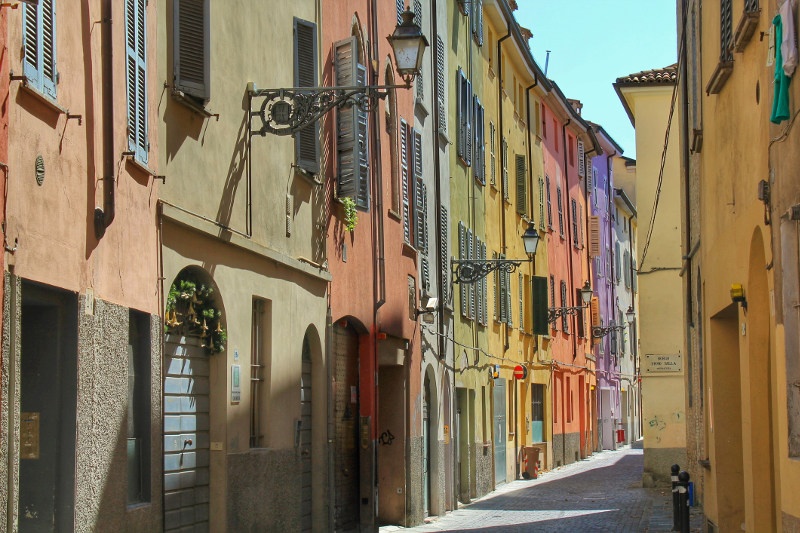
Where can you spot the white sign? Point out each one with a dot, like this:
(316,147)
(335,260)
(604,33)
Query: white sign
(236,384)
(662,363)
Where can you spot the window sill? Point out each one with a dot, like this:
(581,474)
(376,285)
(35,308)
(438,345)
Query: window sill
(41,97)
(719,77)
(410,251)
(394,214)
(141,167)
(193,106)
(745,30)
(443,138)
(309,177)
(423,109)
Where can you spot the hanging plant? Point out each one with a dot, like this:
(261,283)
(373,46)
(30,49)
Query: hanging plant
(191,311)
(350,213)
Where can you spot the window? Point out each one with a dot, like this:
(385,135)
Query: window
(191,49)
(259,343)
(440,85)
(306,141)
(574,206)
(136,78)
(479,163)
(726,31)
(560,207)
(564,318)
(420,197)
(571,150)
(477,22)
(581,159)
(406,178)
(139,394)
(465,109)
(540,305)
(444,256)
(553,295)
(549,204)
(492,156)
(39,46)
(541,202)
(522,188)
(418,21)
(504,162)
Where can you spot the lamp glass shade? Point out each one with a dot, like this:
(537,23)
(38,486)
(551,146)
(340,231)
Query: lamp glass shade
(630,315)
(530,239)
(586,293)
(408,44)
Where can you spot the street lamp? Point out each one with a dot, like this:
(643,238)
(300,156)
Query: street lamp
(289,110)
(474,270)
(598,331)
(554,313)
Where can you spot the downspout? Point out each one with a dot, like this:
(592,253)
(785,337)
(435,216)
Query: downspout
(587,173)
(569,229)
(105,216)
(612,359)
(502,136)
(687,223)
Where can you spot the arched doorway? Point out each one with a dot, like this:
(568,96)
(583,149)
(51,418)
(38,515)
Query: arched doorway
(431,451)
(195,331)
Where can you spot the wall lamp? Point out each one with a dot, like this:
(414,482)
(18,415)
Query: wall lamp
(737,295)
(598,331)
(474,270)
(428,308)
(289,110)
(554,313)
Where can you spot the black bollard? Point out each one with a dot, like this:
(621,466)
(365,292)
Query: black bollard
(683,500)
(675,509)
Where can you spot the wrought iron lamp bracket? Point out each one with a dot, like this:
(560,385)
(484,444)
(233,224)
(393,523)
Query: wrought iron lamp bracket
(554,313)
(474,270)
(599,332)
(289,110)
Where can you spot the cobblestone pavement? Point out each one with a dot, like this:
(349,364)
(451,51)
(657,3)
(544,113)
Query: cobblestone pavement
(601,493)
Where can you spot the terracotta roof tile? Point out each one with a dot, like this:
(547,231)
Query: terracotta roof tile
(660,76)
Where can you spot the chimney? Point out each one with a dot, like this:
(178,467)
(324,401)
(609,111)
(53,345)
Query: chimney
(576,104)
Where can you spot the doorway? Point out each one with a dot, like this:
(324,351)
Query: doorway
(346,416)
(499,397)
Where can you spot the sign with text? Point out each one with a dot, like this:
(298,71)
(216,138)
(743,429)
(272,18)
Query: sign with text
(662,364)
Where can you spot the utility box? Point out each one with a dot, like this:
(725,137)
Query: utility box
(530,462)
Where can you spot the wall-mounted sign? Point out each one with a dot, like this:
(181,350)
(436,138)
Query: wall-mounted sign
(446,434)
(29,436)
(236,383)
(662,363)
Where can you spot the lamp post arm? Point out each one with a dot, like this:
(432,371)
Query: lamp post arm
(473,270)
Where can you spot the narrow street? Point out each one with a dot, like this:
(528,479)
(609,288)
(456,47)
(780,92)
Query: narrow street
(601,493)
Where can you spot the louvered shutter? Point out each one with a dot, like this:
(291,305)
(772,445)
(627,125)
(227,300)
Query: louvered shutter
(306,141)
(574,206)
(444,256)
(521,301)
(579,316)
(400,8)
(31,40)
(48,35)
(627,267)
(426,273)
(541,202)
(405,155)
(484,299)
(462,254)
(595,309)
(479,160)
(549,203)
(496,292)
(617,261)
(504,162)
(581,160)
(469,134)
(564,318)
(492,156)
(419,194)
(464,103)
(503,303)
(560,206)
(594,185)
(540,305)
(362,136)
(440,84)
(136,78)
(191,48)
(553,296)
(509,315)
(418,21)
(471,286)
(479,13)
(346,121)
(522,192)
(594,236)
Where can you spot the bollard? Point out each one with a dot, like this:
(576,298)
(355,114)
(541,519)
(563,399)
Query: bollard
(683,501)
(675,509)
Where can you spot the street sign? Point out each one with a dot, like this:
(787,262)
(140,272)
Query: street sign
(520,372)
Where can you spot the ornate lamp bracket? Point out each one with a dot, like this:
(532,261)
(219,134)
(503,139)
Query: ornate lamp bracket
(474,270)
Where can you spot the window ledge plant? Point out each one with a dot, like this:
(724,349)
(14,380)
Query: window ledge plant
(191,312)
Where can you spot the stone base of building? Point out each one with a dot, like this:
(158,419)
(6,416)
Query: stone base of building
(566,449)
(658,463)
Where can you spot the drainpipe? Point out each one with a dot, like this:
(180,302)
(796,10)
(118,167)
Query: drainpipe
(569,228)
(611,303)
(502,136)
(105,216)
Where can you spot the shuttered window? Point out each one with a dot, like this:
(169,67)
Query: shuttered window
(564,317)
(401,6)
(504,162)
(594,186)
(477,21)
(443,253)
(627,266)
(492,156)
(462,254)
(420,221)
(306,141)
(553,295)
(497,296)
(503,283)
(549,203)
(579,319)
(508,307)
(594,236)
(581,159)
(484,317)
(191,48)
(418,21)
(406,147)
(39,46)
(726,31)
(574,206)
(471,286)
(440,84)
(540,305)
(465,109)
(521,302)
(541,203)
(617,261)
(136,78)
(560,206)
(522,188)
(479,162)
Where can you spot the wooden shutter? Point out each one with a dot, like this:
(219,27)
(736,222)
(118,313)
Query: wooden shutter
(401,6)
(440,84)
(492,155)
(509,311)
(136,78)
(191,48)
(549,204)
(306,141)
(540,305)
(522,190)
(541,202)
(594,236)
(496,292)
(564,318)
(484,283)
(574,206)
(579,317)
(418,21)
(595,308)
(560,206)
(31,32)
(504,162)
(48,44)
(553,296)
(503,294)
(419,194)
(521,301)
(581,160)
(405,177)
(362,144)
(462,254)
(426,273)
(39,47)
(479,160)
(479,12)
(471,286)
(443,254)
(461,141)
(617,261)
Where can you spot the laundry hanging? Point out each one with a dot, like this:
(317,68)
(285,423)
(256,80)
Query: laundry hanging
(785,61)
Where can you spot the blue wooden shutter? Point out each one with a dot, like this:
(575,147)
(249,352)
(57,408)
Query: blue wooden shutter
(48,47)
(31,38)
(306,141)
(136,72)
(191,48)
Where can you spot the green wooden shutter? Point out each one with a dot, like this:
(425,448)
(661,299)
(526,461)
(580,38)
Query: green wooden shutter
(541,202)
(540,305)
(191,48)
(306,141)
(522,189)
(136,78)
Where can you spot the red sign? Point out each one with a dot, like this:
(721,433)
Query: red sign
(520,372)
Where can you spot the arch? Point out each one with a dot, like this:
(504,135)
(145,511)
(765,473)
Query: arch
(759,392)
(313,449)
(433,504)
(357,31)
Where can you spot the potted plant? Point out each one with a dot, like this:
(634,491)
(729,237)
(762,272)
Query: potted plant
(191,312)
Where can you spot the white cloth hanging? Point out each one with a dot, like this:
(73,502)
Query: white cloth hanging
(788,46)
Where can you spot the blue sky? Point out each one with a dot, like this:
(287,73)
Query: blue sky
(594,42)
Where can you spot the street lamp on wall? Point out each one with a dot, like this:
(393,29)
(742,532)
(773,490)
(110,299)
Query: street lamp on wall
(289,110)
(598,331)
(554,313)
(474,270)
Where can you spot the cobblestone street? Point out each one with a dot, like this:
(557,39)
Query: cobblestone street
(602,493)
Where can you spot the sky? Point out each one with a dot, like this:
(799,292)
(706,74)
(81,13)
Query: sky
(594,42)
